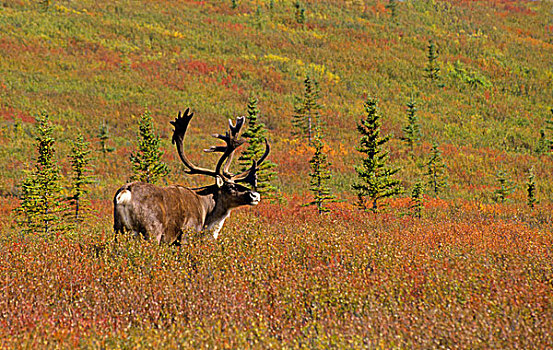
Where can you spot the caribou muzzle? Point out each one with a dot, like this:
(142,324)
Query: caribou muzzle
(255,198)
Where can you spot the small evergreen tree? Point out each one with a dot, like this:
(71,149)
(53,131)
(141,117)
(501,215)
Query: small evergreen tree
(41,207)
(306,111)
(256,135)
(436,171)
(234,4)
(300,12)
(506,187)
(80,160)
(103,135)
(146,163)
(320,176)
(392,6)
(417,199)
(44,5)
(411,132)
(549,130)
(258,18)
(17,130)
(531,188)
(549,133)
(432,65)
(543,144)
(375,174)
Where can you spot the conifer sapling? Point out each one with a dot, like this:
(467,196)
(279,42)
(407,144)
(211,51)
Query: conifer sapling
(146,163)
(411,132)
(436,171)
(375,175)
(320,176)
(549,133)
(417,199)
(257,135)
(41,207)
(531,188)
(79,162)
(300,12)
(306,118)
(103,135)
(432,68)
(506,187)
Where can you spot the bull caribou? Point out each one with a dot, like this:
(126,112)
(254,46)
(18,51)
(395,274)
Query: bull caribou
(168,213)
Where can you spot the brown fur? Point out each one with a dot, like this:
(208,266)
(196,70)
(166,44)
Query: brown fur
(166,213)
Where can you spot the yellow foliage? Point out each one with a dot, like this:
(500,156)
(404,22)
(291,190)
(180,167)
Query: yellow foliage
(282,27)
(64,9)
(251,57)
(322,71)
(276,58)
(318,35)
(166,32)
(548,75)
(356,4)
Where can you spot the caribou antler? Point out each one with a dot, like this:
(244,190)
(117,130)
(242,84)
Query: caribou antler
(250,176)
(232,143)
(181,125)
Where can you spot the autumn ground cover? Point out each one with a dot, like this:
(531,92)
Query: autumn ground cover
(464,276)
(470,273)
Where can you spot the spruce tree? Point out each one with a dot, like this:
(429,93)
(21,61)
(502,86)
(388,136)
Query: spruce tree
(80,161)
(542,145)
(146,163)
(376,176)
(531,188)
(307,111)
(436,171)
(549,133)
(41,207)
(411,132)
(320,176)
(258,18)
(103,135)
(432,64)
(300,12)
(44,5)
(506,187)
(417,199)
(257,134)
(545,142)
(392,6)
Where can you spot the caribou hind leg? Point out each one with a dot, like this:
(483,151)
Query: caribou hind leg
(121,213)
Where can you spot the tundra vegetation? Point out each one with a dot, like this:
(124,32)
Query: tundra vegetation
(463,258)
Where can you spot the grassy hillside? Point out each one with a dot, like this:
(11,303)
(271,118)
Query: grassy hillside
(470,273)
(85,63)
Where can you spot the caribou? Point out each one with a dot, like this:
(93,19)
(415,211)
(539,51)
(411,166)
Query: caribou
(170,214)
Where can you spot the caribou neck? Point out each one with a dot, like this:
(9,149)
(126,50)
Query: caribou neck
(216,210)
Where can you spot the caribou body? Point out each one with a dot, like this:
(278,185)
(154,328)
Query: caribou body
(168,213)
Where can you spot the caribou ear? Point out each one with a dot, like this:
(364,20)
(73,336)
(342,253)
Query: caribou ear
(220,181)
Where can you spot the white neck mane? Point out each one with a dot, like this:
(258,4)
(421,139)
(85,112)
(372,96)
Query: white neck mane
(216,224)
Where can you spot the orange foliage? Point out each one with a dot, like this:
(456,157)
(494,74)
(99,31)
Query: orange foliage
(11,114)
